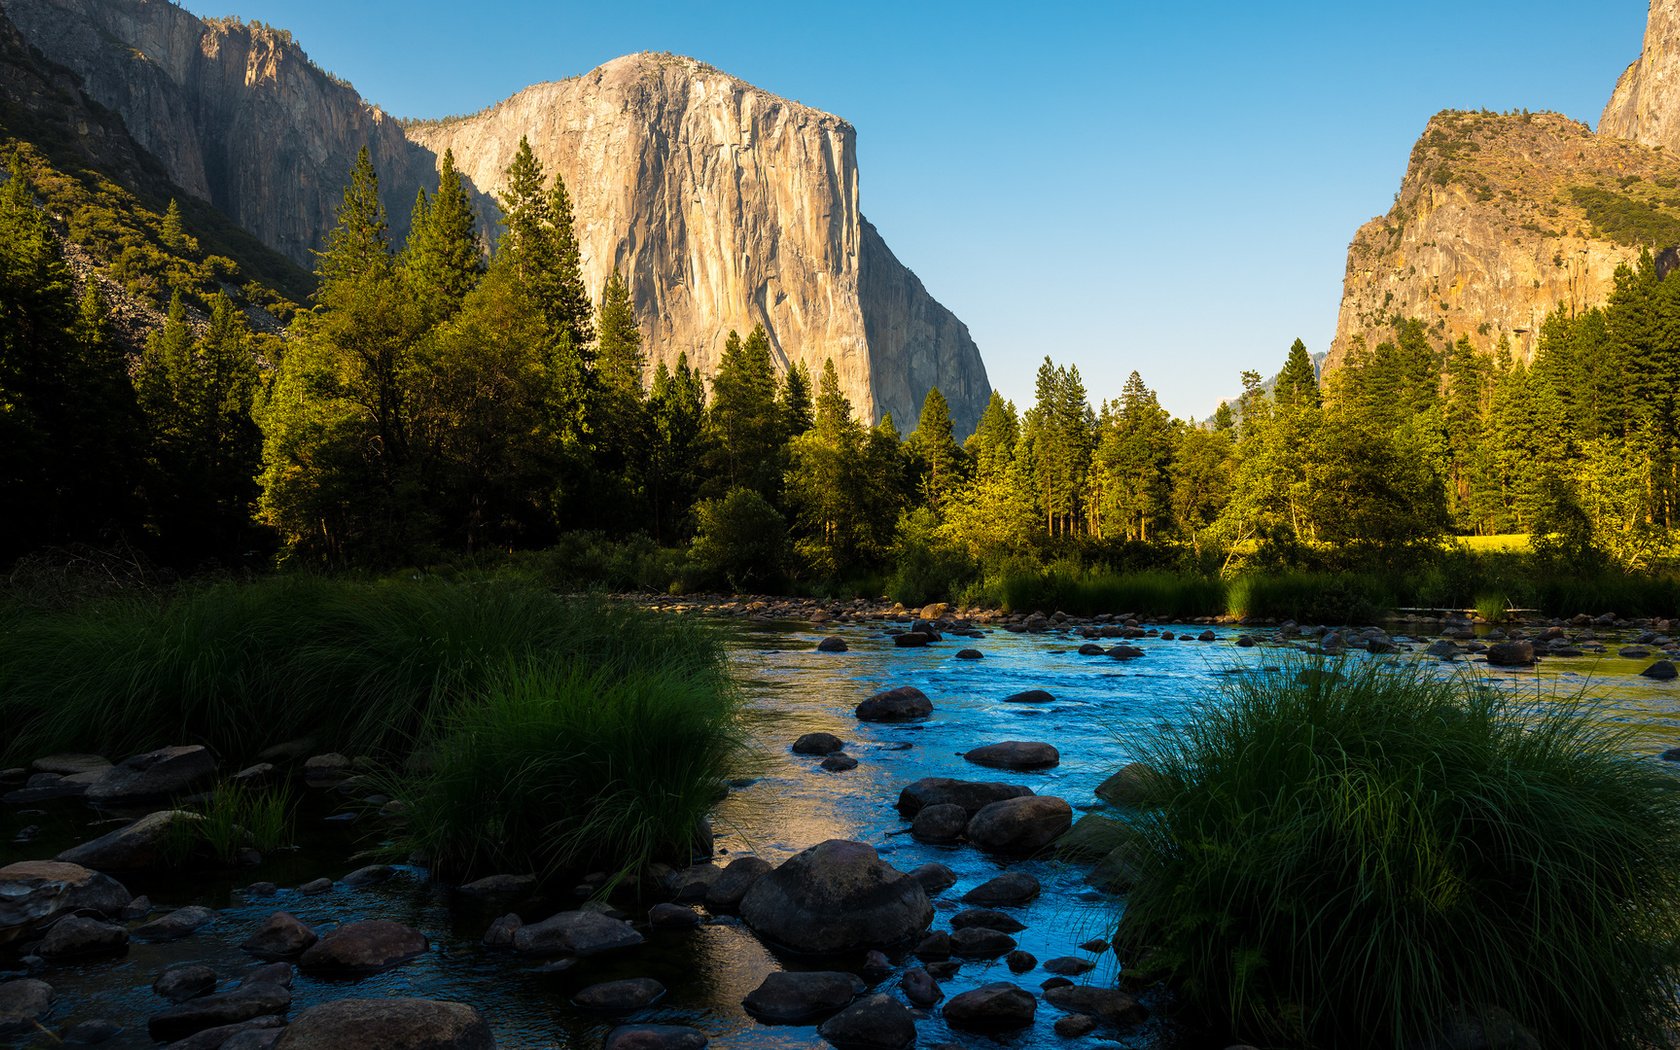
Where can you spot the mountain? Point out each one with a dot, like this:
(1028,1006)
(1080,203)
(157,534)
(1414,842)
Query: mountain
(1503,217)
(724,205)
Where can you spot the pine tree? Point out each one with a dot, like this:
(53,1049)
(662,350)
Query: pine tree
(357,245)
(677,416)
(937,459)
(795,400)
(1297,384)
(744,422)
(442,259)
(173,233)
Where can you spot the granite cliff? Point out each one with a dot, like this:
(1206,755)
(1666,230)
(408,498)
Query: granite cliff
(725,206)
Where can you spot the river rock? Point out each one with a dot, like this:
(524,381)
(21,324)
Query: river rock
(388,1024)
(904,704)
(259,1033)
(1021,755)
(912,639)
(943,823)
(1125,652)
(832,644)
(877,1022)
(79,937)
(1020,961)
(23,1003)
(837,896)
(33,892)
(970,654)
(1134,785)
(988,918)
(1510,654)
(66,765)
(1020,825)
(920,988)
(362,948)
(817,744)
(575,933)
(971,795)
(316,887)
(224,1008)
(279,973)
(996,1007)
(182,922)
(1029,696)
(326,770)
(155,842)
(1443,650)
(977,942)
(164,773)
(935,947)
(655,1037)
(787,997)
(372,875)
(501,932)
(934,878)
(726,891)
(1107,1004)
(1073,1026)
(1010,888)
(1069,966)
(620,997)
(838,763)
(185,981)
(499,886)
(668,916)
(1661,671)
(281,937)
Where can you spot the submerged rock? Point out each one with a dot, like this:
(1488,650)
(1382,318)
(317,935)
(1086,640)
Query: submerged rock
(362,948)
(877,1022)
(636,993)
(787,997)
(1029,696)
(988,918)
(834,897)
(904,704)
(1012,887)
(281,937)
(388,1024)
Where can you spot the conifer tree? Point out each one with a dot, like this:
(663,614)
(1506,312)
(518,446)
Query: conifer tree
(937,459)
(1297,384)
(795,400)
(442,259)
(677,416)
(745,424)
(173,233)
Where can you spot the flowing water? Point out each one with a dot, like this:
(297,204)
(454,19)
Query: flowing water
(1102,708)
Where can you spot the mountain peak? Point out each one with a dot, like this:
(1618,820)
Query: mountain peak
(1645,106)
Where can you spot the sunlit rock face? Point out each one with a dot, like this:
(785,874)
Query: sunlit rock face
(723,205)
(1646,104)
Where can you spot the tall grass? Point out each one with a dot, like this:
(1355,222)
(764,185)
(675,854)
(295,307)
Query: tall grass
(566,769)
(1350,860)
(1310,597)
(1083,592)
(235,817)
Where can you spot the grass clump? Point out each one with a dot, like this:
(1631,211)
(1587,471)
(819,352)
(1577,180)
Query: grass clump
(1353,859)
(235,817)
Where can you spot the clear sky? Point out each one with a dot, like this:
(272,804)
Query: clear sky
(1156,186)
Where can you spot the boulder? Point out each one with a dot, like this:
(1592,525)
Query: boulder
(971,795)
(33,892)
(66,765)
(1134,785)
(281,937)
(1010,888)
(388,1024)
(372,875)
(970,654)
(362,948)
(1020,825)
(655,1037)
(326,770)
(989,918)
(935,947)
(817,744)
(1106,1004)
(620,997)
(79,937)
(1511,654)
(832,644)
(996,1007)
(668,916)
(185,981)
(575,933)
(1125,652)
(1020,961)
(1443,650)
(1073,1026)
(23,1003)
(1069,966)
(1029,696)
(164,773)
(941,824)
(912,640)
(787,997)
(978,942)
(182,922)
(838,896)
(1016,755)
(877,1022)
(1661,671)
(279,973)
(904,704)
(726,891)
(920,987)
(155,842)
(501,932)
(499,886)
(934,878)
(244,1003)
(1091,649)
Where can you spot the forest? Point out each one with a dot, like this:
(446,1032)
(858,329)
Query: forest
(437,403)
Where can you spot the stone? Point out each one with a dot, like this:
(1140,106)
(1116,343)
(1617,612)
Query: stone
(804,997)
(1029,696)
(279,973)
(654,1037)
(876,966)
(223,1008)
(934,947)
(620,997)
(1661,671)
(501,932)
(837,896)
(817,744)
(970,654)
(388,1024)
(1010,888)
(996,1007)
(1069,966)
(1091,649)
(839,763)
(281,937)
(726,891)
(668,916)
(1020,961)
(832,644)
(1443,650)
(977,942)
(164,773)
(94,1032)
(499,886)
(258,1033)
(261,773)
(1022,755)
(580,933)
(1110,1005)
(1125,652)
(371,875)
(943,823)
(911,640)
(1073,1026)
(944,969)
(79,937)
(971,795)
(326,770)
(1135,785)
(1510,654)
(876,1022)
(23,1004)
(68,764)
(152,843)
(989,918)
(315,887)
(252,1038)
(1020,825)
(361,948)
(934,878)
(904,704)
(692,882)
(34,892)
(185,981)
(180,923)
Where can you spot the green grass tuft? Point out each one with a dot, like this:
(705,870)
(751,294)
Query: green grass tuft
(1349,860)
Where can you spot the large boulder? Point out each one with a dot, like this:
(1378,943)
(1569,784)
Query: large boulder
(361,948)
(79,937)
(1661,671)
(245,1003)
(940,824)
(22,1004)
(1108,1004)
(575,933)
(1133,785)
(33,892)
(996,1007)
(1511,654)
(971,795)
(1016,755)
(164,773)
(388,1024)
(838,896)
(155,842)
(1020,825)
(1010,888)
(878,1022)
(281,937)
(787,997)
(727,890)
(904,704)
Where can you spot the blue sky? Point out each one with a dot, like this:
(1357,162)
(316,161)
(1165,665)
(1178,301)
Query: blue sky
(1154,186)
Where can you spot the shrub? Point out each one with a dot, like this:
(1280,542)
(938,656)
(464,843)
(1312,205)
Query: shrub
(1352,858)
(741,539)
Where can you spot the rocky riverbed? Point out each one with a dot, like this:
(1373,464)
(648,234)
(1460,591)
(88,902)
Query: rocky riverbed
(879,879)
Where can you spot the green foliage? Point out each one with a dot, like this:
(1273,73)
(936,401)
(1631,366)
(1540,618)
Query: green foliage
(1309,597)
(1628,219)
(1354,854)
(746,432)
(235,817)
(1082,592)
(740,540)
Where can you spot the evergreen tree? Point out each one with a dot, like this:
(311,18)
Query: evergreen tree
(357,246)
(795,399)
(1297,384)
(442,258)
(618,420)
(934,454)
(1058,433)
(677,416)
(744,423)
(173,233)
(992,445)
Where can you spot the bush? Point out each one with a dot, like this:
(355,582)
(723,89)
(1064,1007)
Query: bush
(741,540)
(1353,855)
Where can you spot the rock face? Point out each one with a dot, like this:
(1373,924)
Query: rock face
(724,206)
(1646,104)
